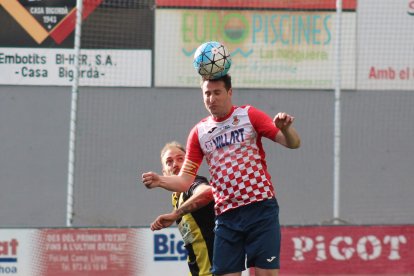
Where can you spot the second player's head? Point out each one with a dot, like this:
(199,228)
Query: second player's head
(172,158)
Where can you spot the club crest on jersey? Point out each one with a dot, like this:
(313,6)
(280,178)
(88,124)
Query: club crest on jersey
(236,120)
(229,138)
(209,145)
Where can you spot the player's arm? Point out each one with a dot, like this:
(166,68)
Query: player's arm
(163,221)
(202,196)
(279,129)
(174,183)
(287,135)
(182,181)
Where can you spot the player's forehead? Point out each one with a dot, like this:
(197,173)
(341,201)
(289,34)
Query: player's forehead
(172,152)
(209,85)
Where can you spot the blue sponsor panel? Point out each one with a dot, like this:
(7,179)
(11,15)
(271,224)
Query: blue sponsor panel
(169,247)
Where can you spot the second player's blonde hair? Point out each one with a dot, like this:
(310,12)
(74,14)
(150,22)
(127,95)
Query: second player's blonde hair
(172,144)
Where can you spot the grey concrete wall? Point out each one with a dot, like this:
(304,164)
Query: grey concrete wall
(120,133)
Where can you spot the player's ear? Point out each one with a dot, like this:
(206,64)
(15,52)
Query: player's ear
(230,91)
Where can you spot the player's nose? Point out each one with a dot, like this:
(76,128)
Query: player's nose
(177,165)
(212,99)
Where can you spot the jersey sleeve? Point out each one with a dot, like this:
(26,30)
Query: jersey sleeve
(200,180)
(262,123)
(194,155)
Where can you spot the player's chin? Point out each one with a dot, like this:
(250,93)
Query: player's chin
(214,111)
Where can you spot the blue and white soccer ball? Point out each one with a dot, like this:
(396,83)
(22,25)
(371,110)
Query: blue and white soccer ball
(212,60)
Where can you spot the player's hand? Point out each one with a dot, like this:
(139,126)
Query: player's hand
(283,120)
(151,180)
(163,221)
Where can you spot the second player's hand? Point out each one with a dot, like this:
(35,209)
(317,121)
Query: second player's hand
(151,180)
(283,120)
(163,221)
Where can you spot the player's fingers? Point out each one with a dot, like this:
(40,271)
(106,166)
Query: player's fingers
(156,225)
(159,227)
(280,116)
(147,179)
(290,119)
(147,183)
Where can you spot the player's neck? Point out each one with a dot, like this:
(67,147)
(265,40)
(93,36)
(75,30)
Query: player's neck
(220,118)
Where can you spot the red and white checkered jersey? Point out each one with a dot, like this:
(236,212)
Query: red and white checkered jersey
(235,156)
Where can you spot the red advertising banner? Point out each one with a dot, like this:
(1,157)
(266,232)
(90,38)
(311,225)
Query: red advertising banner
(306,250)
(104,252)
(265,4)
(348,250)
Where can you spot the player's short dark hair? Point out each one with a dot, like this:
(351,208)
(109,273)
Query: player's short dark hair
(226,79)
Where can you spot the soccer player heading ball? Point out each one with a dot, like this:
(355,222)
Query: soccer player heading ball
(247,229)
(212,60)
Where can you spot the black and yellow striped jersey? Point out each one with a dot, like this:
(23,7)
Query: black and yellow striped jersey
(197,231)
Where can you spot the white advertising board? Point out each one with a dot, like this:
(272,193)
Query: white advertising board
(39,66)
(127,252)
(92,252)
(269,49)
(386,45)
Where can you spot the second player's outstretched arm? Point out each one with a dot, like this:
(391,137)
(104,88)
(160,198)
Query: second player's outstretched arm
(201,197)
(163,221)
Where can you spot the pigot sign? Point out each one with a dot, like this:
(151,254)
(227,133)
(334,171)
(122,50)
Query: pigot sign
(347,250)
